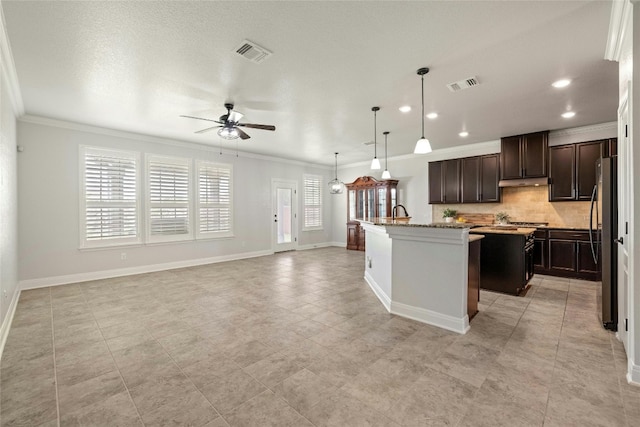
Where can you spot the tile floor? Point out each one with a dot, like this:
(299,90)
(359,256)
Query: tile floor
(298,339)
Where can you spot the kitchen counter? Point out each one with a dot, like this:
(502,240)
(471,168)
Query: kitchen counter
(475,238)
(404,223)
(505,230)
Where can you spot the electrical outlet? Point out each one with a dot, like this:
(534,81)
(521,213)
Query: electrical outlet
(369,261)
(6,295)
(123,256)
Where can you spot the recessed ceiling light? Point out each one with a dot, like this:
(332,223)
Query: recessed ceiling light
(463,134)
(432,116)
(568,114)
(561,83)
(405,108)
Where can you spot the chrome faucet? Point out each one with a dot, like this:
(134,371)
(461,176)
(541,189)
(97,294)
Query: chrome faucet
(393,211)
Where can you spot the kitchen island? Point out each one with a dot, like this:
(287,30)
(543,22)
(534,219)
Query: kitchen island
(420,271)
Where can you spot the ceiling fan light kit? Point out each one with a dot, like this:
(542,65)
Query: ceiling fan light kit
(423,146)
(386,174)
(375,163)
(335,185)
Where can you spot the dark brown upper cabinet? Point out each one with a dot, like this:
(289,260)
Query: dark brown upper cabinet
(524,156)
(480,177)
(572,169)
(444,181)
(562,173)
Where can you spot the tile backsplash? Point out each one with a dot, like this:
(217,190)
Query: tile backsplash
(527,204)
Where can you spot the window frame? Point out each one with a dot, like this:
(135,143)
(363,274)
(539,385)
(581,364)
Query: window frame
(198,204)
(149,205)
(320,206)
(84,243)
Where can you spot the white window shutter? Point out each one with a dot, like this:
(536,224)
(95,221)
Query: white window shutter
(214,200)
(109,197)
(312,200)
(168,195)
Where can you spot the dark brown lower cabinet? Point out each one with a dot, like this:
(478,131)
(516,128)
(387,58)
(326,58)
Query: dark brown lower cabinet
(565,253)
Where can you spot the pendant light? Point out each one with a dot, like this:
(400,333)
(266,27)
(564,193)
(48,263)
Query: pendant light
(335,185)
(422,146)
(385,174)
(375,163)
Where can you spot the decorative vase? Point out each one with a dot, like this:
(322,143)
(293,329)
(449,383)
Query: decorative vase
(448,219)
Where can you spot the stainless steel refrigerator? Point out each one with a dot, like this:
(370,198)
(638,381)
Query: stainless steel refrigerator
(603,231)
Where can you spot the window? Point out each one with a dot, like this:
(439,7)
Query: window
(214,202)
(109,197)
(312,202)
(168,199)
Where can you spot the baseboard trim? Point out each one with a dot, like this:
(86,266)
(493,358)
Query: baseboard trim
(317,246)
(377,290)
(6,325)
(119,272)
(423,315)
(633,373)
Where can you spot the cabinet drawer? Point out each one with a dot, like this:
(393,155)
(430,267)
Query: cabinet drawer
(569,235)
(540,234)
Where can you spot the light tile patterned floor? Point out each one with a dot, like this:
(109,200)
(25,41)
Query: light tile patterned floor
(298,339)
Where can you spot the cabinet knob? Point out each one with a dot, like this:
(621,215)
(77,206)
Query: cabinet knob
(619,240)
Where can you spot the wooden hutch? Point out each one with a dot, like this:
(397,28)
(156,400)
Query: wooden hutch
(367,198)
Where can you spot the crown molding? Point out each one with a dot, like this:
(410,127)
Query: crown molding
(620,11)
(8,69)
(585,129)
(63,124)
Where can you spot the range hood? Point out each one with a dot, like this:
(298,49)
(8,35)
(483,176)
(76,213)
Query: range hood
(524,182)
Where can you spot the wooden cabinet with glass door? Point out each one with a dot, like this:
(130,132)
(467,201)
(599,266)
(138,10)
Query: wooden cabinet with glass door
(367,198)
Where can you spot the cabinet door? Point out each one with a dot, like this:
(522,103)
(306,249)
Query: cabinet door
(586,156)
(435,183)
(562,255)
(452,181)
(585,259)
(470,179)
(612,147)
(489,178)
(562,173)
(539,253)
(534,155)
(352,235)
(510,166)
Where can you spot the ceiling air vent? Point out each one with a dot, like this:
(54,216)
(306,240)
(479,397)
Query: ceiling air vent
(463,84)
(252,51)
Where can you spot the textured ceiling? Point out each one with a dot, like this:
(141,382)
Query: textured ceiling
(137,66)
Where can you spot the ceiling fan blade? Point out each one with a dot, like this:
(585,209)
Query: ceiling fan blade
(243,134)
(200,118)
(255,126)
(208,129)
(234,116)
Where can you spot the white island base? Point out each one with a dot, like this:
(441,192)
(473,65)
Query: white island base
(420,271)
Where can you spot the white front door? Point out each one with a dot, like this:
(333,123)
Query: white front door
(625,198)
(285,213)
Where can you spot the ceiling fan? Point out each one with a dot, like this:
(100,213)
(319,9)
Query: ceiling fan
(230,126)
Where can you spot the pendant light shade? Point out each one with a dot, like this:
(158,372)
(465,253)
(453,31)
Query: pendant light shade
(375,163)
(385,174)
(335,185)
(423,146)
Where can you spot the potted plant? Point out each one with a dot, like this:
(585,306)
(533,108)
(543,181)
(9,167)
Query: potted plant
(502,218)
(449,214)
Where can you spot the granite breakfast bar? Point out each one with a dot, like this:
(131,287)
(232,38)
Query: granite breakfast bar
(420,271)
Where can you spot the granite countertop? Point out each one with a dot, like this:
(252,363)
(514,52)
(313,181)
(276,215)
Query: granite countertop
(474,237)
(497,230)
(404,223)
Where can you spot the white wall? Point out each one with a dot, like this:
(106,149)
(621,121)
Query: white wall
(8,189)
(49,183)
